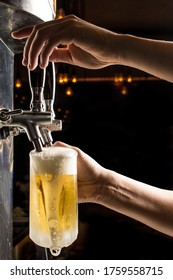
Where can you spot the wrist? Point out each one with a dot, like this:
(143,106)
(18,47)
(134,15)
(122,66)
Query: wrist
(104,191)
(125,43)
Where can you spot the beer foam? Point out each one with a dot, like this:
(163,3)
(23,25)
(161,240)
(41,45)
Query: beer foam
(54,160)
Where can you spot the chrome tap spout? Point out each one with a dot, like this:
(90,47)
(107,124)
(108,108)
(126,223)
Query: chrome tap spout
(39,121)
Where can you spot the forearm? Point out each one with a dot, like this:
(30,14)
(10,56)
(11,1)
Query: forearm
(152,56)
(147,204)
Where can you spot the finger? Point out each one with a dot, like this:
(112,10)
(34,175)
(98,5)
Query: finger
(54,54)
(30,32)
(22,33)
(32,60)
(44,40)
(26,31)
(28,43)
(37,47)
(44,59)
(46,37)
(61,55)
(50,51)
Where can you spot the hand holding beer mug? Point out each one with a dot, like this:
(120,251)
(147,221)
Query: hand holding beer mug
(53,198)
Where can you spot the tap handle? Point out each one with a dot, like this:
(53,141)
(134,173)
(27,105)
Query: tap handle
(49,93)
(37,77)
(37,83)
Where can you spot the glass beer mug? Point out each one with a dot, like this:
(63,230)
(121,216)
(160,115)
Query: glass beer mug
(53,198)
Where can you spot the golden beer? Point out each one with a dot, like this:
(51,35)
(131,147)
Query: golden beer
(53,198)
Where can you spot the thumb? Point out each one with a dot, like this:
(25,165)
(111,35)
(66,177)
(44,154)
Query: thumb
(61,144)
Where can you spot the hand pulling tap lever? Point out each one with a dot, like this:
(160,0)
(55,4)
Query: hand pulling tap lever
(39,121)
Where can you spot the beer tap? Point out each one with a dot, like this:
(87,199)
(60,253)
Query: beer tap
(39,121)
(48,99)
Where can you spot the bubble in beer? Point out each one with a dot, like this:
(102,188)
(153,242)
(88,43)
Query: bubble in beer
(48,176)
(52,206)
(55,251)
(53,223)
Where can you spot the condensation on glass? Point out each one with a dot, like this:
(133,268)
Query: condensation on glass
(53,198)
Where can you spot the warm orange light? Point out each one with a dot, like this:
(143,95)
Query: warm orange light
(129,79)
(74,79)
(116,80)
(124,90)
(65,78)
(69,91)
(120,78)
(60,13)
(60,78)
(18,83)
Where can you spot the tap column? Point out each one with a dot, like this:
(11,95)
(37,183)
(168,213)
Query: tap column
(13,15)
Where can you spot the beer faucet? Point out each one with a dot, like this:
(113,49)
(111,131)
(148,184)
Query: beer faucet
(39,121)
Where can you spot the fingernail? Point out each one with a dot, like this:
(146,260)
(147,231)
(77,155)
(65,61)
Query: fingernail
(24,61)
(30,66)
(41,66)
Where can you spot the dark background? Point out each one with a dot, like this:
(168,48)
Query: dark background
(130,134)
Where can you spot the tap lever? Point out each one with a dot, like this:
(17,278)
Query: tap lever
(37,77)
(5,114)
(37,83)
(49,92)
